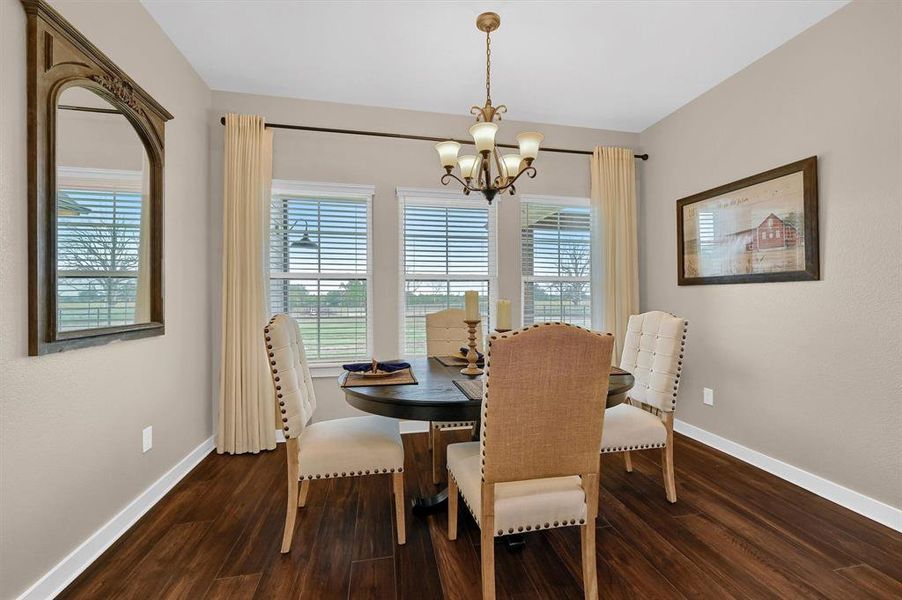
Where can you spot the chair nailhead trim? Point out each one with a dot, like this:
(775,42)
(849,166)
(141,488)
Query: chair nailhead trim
(351,473)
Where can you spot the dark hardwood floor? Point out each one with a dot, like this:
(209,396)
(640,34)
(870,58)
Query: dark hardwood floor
(736,532)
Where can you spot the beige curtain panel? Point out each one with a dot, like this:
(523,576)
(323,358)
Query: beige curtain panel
(246,402)
(615,274)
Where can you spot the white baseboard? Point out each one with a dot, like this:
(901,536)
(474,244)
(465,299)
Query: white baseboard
(57,578)
(854,501)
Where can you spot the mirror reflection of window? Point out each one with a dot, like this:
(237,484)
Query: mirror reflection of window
(102,216)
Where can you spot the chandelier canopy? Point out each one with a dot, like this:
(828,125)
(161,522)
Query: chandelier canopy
(489,171)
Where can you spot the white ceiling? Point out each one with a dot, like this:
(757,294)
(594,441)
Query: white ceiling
(610,65)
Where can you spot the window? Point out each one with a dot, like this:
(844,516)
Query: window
(447,248)
(98,234)
(320,267)
(555,252)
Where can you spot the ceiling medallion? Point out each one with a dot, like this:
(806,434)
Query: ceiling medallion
(488,171)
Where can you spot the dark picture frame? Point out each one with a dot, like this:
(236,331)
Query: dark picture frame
(751,246)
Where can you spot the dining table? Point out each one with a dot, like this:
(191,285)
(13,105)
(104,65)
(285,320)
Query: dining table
(435,397)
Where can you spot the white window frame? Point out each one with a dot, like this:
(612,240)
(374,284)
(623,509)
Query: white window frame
(443,198)
(341,191)
(575,201)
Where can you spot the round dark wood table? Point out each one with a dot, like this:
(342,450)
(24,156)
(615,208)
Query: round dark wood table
(436,398)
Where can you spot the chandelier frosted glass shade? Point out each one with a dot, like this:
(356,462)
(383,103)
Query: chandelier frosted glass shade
(447,152)
(467,165)
(529,144)
(511,164)
(484,136)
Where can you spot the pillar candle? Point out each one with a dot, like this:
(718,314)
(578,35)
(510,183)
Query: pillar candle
(471,302)
(503,315)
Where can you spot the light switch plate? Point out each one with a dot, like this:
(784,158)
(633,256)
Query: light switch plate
(708,396)
(147,439)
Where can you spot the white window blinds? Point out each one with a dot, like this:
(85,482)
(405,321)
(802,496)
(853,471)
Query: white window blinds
(319,264)
(447,247)
(98,234)
(555,250)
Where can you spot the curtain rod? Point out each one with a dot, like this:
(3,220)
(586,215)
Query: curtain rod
(424,138)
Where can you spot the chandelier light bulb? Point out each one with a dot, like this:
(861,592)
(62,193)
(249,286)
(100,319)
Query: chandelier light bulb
(484,136)
(447,153)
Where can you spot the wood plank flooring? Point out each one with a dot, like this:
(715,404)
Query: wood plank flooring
(736,532)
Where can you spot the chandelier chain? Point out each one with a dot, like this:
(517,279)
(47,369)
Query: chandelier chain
(488,68)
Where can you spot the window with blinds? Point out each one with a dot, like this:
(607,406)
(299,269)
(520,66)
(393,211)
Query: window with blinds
(98,235)
(447,248)
(555,250)
(320,268)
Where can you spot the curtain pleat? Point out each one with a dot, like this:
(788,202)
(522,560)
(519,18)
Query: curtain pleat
(246,402)
(615,274)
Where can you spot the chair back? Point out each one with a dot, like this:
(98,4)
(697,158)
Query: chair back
(653,352)
(543,410)
(446,332)
(291,379)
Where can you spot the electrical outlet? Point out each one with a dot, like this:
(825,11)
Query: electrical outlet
(708,396)
(147,439)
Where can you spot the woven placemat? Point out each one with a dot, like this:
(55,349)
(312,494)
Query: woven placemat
(455,361)
(403,377)
(472,388)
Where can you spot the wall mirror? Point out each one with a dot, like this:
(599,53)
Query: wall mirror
(95,170)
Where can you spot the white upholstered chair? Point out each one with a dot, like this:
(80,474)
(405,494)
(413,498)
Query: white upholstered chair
(524,475)
(446,334)
(348,447)
(653,352)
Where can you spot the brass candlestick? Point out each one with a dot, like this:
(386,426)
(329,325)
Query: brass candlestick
(472,357)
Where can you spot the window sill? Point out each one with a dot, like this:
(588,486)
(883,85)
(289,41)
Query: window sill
(325,370)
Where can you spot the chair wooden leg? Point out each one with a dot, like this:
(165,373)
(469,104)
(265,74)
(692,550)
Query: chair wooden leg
(487,548)
(438,456)
(452,507)
(398,484)
(667,464)
(628,461)
(291,450)
(590,576)
(302,497)
(429,436)
(667,460)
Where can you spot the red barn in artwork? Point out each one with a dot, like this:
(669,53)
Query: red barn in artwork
(774,232)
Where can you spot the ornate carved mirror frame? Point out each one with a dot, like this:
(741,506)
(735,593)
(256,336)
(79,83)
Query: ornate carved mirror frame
(59,57)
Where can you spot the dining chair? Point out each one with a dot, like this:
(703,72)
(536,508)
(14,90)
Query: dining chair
(446,334)
(346,447)
(653,350)
(524,475)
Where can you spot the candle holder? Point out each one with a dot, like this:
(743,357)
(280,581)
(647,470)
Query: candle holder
(472,357)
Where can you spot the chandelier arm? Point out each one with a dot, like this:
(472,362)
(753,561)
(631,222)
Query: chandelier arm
(528,171)
(446,179)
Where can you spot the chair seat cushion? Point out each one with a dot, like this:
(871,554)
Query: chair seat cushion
(519,505)
(628,427)
(352,446)
(453,424)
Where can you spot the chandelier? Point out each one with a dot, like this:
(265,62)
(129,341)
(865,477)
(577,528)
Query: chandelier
(489,172)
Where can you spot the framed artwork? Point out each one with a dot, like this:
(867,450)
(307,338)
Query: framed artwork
(758,229)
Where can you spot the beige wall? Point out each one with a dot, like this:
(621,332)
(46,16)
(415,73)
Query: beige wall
(70,432)
(388,164)
(805,372)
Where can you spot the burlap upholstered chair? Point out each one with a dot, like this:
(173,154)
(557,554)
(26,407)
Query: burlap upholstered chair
(338,448)
(653,352)
(446,334)
(525,474)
